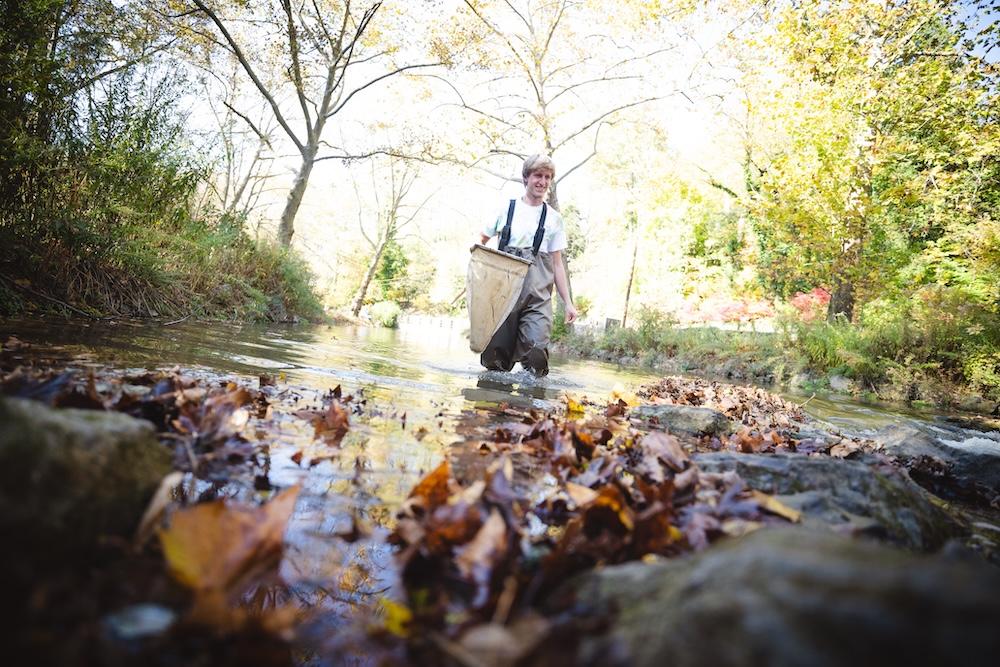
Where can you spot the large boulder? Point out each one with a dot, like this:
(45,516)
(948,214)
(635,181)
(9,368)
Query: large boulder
(69,477)
(844,494)
(973,457)
(793,597)
(684,419)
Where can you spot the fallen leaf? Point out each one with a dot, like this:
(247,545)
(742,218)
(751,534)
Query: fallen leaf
(844,449)
(574,410)
(156,507)
(581,495)
(775,506)
(477,559)
(434,488)
(214,546)
(397,616)
(333,424)
(667,448)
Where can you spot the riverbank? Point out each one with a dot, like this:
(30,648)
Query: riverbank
(789,359)
(199,271)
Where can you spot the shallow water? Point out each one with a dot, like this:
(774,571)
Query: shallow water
(421,383)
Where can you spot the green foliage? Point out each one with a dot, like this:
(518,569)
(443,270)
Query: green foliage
(385,314)
(98,185)
(101,216)
(938,332)
(880,169)
(399,278)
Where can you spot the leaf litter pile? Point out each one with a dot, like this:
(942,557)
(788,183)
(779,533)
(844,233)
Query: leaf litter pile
(482,544)
(766,423)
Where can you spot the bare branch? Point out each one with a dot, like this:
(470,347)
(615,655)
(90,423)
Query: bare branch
(597,136)
(293,49)
(263,137)
(87,83)
(394,72)
(604,115)
(252,74)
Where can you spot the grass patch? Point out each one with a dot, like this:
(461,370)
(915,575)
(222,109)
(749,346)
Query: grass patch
(935,348)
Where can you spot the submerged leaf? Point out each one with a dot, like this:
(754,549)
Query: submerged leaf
(213,546)
(434,488)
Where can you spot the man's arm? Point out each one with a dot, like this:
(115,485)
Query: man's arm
(562,285)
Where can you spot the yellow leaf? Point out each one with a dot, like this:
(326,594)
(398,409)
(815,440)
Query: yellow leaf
(397,617)
(775,506)
(574,409)
(618,393)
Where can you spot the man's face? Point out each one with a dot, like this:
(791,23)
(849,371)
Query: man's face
(538,182)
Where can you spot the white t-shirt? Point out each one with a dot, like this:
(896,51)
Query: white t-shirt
(524,225)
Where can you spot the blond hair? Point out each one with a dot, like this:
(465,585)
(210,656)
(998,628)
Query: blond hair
(537,162)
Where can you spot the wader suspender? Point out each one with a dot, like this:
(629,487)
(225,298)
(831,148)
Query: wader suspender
(539,233)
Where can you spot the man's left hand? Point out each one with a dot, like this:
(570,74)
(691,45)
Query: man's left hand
(570,313)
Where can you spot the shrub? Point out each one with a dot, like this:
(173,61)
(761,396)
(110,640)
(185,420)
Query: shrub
(385,314)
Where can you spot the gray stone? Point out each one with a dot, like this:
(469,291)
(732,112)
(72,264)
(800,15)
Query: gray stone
(842,384)
(684,419)
(800,380)
(68,477)
(979,404)
(973,457)
(794,597)
(848,495)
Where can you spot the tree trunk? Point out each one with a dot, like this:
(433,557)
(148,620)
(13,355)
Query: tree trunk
(628,290)
(286,228)
(363,290)
(553,197)
(841,301)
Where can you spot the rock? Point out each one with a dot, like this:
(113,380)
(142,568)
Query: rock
(794,597)
(842,384)
(68,477)
(978,404)
(848,495)
(138,622)
(801,381)
(684,419)
(973,457)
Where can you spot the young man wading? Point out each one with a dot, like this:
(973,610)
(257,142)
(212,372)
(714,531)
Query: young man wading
(529,228)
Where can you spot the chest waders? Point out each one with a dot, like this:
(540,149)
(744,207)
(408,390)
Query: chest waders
(524,335)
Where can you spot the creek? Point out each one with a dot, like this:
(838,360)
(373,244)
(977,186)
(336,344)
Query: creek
(421,384)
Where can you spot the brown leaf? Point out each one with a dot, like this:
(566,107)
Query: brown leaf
(434,488)
(333,424)
(216,546)
(581,495)
(477,559)
(844,449)
(667,448)
(608,511)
